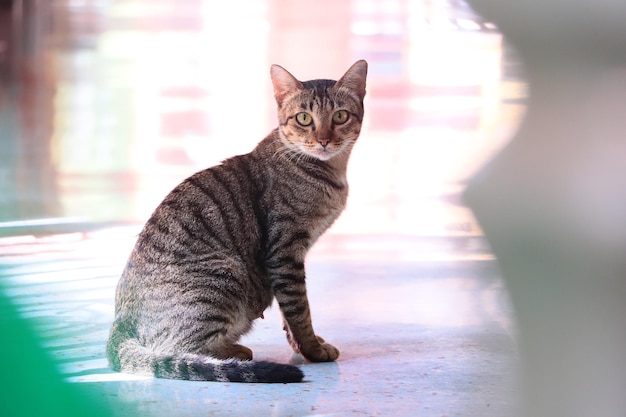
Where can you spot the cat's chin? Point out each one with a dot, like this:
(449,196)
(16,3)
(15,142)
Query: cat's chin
(322,154)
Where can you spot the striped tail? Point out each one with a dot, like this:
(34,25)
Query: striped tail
(133,358)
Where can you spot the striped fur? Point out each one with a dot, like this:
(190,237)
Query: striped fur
(228,240)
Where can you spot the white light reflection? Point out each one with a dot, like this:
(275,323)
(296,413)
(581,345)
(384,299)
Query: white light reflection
(437,302)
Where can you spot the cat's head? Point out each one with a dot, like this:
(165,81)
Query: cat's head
(320,118)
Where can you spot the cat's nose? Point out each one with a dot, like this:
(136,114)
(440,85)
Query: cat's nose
(324,142)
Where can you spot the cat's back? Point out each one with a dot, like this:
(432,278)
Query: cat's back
(208,211)
(234,206)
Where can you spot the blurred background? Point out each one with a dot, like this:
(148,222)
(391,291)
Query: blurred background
(105,105)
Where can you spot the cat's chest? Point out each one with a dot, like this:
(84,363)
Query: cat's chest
(327,206)
(316,206)
(329,200)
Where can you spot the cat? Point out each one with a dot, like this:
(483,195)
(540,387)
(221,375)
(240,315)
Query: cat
(229,239)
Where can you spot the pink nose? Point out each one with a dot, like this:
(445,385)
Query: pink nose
(324,142)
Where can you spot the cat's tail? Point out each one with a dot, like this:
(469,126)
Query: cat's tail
(131,357)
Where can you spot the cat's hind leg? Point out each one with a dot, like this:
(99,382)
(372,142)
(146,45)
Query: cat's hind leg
(218,308)
(223,344)
(232,351)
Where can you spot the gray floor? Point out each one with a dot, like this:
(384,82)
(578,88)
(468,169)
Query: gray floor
(424,326)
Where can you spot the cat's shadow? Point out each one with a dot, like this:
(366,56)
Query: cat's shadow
(317,371)
(297,359)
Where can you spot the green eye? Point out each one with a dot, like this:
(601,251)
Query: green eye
(340,117)
(304,119)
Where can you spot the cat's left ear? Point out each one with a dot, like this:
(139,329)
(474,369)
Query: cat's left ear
(284,83)
(354,78)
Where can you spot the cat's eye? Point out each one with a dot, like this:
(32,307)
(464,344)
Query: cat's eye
(304,119)
(340,117)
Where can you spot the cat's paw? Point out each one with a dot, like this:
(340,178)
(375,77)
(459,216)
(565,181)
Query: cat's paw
(242,353)
(234,351)
(324,352)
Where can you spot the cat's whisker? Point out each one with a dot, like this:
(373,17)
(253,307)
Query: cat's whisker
(288,153)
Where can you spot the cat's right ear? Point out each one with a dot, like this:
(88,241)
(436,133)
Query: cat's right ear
(284,83)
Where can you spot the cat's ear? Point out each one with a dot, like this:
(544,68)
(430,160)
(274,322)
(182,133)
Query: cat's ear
(283,82)
(354,78)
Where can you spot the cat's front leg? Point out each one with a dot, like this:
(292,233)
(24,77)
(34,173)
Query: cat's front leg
(290,292)
(292,341)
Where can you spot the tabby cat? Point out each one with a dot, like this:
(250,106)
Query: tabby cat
(228,240)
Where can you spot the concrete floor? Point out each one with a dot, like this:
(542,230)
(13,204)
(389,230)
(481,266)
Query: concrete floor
(424,326)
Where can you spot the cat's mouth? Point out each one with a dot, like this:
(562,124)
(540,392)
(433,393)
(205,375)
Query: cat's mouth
(323,152)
